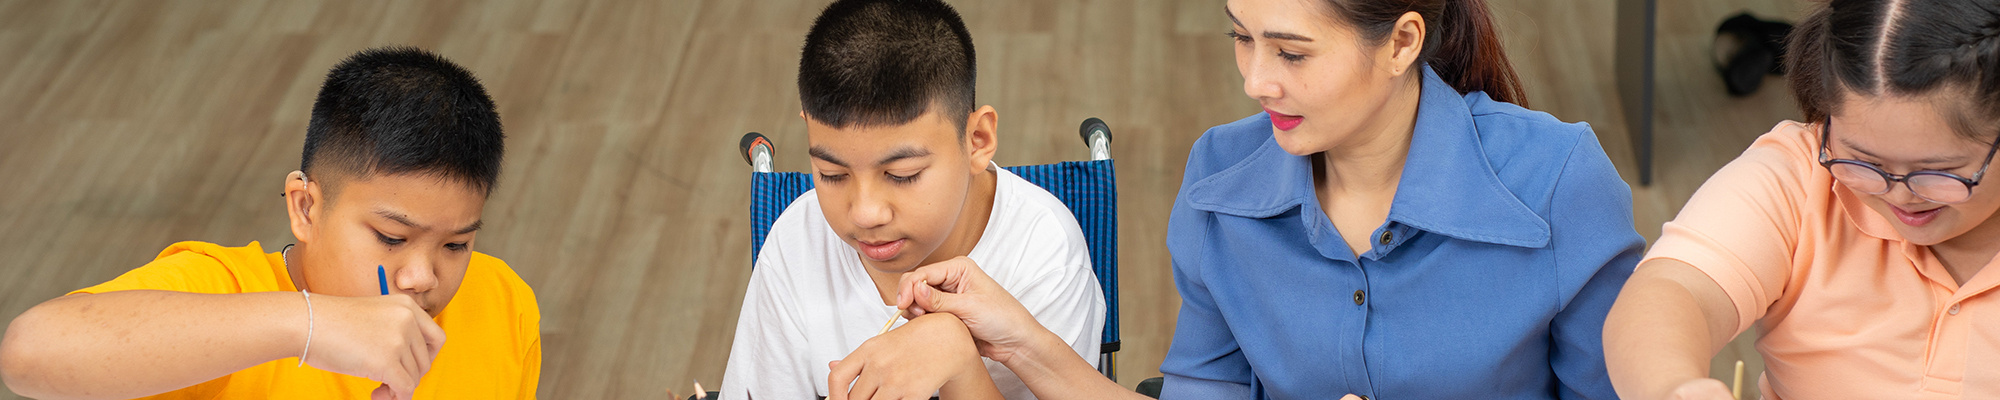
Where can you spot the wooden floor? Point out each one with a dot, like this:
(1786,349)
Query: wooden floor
(128,125)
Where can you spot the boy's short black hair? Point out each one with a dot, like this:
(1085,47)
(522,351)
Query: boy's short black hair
(885,63)
(403,110)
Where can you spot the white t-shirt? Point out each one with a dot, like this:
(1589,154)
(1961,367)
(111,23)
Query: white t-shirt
(810,301)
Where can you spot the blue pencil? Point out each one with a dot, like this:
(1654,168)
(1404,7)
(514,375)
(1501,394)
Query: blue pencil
(382,278)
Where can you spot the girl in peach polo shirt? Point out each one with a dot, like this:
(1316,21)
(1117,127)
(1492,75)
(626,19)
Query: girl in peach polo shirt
(1854,242)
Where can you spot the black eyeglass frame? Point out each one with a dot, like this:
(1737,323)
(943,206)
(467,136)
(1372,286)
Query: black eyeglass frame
(1826,160)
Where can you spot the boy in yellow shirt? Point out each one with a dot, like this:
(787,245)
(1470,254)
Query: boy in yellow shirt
(401,152)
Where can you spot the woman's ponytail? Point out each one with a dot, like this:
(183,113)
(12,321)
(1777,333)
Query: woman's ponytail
(1462,46)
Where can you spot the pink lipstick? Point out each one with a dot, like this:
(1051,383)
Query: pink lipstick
(1282,121)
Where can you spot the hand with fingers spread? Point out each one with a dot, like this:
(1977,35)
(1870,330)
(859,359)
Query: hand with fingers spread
(931,353)
(387,339)
(998,323)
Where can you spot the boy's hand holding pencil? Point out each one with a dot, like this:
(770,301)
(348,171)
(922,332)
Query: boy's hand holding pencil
(387,339)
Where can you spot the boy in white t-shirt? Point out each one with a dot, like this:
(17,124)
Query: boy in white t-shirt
(902,162)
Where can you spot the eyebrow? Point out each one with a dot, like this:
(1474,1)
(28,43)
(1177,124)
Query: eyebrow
(903,153)
(1931,160)
(899,154)
(1267,35)
(470,228)
(401,219)
(1286,36)
(405,220)
(825,155)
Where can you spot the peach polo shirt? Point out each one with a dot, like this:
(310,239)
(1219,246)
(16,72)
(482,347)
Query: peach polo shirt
(1846,307)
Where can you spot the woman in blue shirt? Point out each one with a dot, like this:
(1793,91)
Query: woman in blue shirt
(1392,226)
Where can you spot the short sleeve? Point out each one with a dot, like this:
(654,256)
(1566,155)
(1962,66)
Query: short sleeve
(185,271)
(529,328)
(770,348)
(531,364)
(1063,295)
(1742,226)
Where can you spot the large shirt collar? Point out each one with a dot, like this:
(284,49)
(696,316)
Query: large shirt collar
(1447,185)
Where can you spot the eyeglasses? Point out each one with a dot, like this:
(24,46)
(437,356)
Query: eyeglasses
(1933,186)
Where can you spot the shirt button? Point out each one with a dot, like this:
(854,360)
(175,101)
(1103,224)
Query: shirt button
(1954,310)
(1387,237)
(1360,297)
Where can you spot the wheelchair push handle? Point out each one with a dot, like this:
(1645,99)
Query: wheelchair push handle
(1097,135)
(756,150)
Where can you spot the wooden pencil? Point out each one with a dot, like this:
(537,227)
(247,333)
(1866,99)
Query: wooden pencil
(892,321)
(1737,388)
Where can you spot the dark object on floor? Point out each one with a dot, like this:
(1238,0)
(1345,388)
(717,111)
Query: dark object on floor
(1746,49)
(1150,387)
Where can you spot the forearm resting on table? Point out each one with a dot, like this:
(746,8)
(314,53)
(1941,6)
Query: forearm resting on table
(136,343)
(1669,320)
(974,385)
(1053,371)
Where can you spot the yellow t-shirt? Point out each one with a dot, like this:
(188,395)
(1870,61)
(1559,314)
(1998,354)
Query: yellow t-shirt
(493,329)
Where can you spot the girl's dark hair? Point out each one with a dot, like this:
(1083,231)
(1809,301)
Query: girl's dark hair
(1462,45)
(1904,48)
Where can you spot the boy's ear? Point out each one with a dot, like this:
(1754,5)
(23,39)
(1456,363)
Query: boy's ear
(301,204)
(982,137)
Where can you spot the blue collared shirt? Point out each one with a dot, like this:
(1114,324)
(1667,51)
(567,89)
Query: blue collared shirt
(1508,239)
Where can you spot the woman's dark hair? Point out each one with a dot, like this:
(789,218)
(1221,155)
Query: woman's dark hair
(1462,45)
(1898,48)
